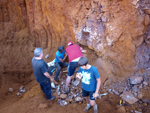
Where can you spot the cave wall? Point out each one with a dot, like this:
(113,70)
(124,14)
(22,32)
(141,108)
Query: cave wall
(114,29)
(15,52)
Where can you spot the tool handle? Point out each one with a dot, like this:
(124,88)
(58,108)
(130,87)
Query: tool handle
(53,70)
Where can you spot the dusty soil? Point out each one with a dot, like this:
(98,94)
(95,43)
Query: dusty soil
(34,101)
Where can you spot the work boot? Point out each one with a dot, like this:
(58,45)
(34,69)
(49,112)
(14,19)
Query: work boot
(52,98)
(95,110)
(87,108)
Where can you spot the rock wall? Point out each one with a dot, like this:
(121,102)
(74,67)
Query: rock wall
(114,29)
(15,43)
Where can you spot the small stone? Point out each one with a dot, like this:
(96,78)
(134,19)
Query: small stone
(78,99)
(146,100)
(80,102)
(140,95)
(43,105)
(47,56)
(70,100)
(131,111)
(145,104)
(11,90)
(58,93)
(140,102)
(63,103)
(18,93)
(135,94)
(135,88)
(137,112)
(145,83)
(63,96)
(21,88)
(58,101)
(140,87)
(134,2)
(121,89)
(115,92)
(121,110)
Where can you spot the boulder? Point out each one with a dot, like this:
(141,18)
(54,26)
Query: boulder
(128,97)
(135,79)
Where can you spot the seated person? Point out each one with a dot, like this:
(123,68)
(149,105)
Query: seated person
(60,57)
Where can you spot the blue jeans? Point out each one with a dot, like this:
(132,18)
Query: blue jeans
(72,67)
(46,88)
(57,65)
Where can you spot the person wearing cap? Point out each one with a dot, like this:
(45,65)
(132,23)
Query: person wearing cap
(60,58)
(42,73)
(90,83)
(74,53)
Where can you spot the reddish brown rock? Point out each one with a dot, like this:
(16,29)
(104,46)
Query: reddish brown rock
(121,110)
(135,79)
(128,97)
(147,20)
(63,96)
(43,105)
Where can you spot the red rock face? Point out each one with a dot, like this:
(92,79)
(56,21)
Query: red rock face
(114,29)
(15,43)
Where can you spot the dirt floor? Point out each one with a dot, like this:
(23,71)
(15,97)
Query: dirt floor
(34,101)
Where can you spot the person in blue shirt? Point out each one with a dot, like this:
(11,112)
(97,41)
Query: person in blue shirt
(60,58)
(90,83)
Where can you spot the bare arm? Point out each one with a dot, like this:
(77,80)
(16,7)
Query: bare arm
(83,51)
(97,87)
(62,60)
(48,76)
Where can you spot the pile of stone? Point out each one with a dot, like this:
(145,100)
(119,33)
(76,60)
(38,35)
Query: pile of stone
(131,89)
(74,95)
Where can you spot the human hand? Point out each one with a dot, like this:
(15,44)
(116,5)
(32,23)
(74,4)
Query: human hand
(52,79)
(79,75)
(83,51)
(66,54)
(95,95)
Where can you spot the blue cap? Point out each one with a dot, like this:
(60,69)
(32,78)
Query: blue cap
(61,48)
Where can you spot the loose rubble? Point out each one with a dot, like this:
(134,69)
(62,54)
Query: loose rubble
(11,90)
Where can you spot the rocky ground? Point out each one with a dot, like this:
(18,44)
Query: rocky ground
(134,92)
